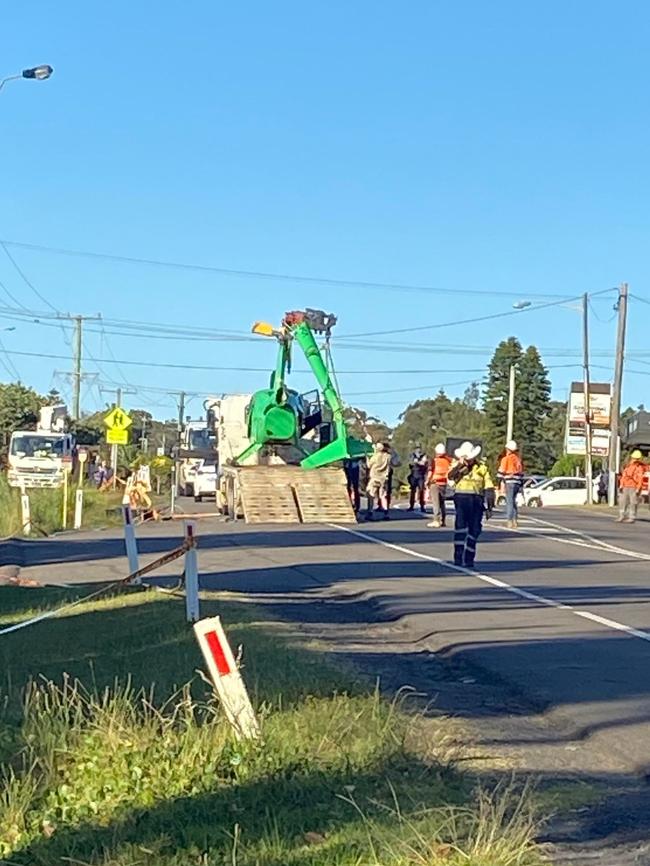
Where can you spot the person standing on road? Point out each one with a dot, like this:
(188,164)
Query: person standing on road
(437,481)
(474,493)
(394,463)
(511,475)
(630,487)
(378,470)
(352,469)
(418,465)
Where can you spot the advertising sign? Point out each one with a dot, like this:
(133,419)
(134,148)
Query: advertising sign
(599,406)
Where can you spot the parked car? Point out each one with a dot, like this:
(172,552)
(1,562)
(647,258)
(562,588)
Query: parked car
(529,481)
(557,491)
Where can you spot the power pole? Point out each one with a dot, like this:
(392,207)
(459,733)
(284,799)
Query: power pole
(77,375)
(619,363)
(511,405)
(587,403)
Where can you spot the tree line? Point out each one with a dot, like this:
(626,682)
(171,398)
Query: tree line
(482,413)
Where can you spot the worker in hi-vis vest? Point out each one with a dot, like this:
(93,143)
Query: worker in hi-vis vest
(437,482)
(473,494)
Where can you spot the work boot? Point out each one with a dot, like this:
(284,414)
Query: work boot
(469,563)
(369,516)
(458,561)
(629,520)
(515,524)
(620,519)
(435,523)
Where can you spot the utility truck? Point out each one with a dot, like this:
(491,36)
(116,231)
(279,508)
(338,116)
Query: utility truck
(39,458)
(197,444)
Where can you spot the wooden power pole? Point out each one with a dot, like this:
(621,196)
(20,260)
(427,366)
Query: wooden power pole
(619,364)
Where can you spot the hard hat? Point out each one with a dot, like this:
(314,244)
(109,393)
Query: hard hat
(440,449)
(512,445)
(467,451)
(636,455)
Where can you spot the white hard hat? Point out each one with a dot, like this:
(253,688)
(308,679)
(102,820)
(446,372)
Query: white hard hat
(467,451)
(512,445)
(440,449)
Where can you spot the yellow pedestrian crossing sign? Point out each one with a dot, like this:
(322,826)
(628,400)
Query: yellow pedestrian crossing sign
(118,419)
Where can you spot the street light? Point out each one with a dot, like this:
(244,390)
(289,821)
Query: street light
(39,73)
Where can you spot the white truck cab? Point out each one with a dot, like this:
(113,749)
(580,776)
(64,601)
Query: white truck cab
(38,458)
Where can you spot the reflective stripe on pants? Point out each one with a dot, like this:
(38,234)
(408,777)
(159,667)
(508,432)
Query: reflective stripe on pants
(469,519)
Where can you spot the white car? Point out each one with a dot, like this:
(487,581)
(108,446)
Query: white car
(557,491)
(202,480)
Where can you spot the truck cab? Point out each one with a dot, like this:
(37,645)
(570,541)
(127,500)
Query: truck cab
(39,458)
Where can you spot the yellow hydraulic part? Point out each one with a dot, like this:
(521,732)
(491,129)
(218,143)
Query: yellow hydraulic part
(264,329)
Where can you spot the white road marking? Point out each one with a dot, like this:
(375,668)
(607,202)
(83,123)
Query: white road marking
(580,539)
(500,584)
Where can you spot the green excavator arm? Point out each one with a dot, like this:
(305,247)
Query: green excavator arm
(273,413)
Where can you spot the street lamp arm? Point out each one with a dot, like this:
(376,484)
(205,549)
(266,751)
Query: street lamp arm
(9,78)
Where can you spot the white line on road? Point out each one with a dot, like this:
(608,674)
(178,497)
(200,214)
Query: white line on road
(500,584)
(546,525)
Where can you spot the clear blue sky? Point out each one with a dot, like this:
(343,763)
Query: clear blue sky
(476,147)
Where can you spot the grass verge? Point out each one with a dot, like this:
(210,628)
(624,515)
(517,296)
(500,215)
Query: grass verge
(114,752)
(46,509)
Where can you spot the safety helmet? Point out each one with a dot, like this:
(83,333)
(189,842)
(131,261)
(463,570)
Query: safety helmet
(511,445)
(468,451)
(440,449)
(636,455)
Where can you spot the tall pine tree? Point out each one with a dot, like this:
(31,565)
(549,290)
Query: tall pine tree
(532,405)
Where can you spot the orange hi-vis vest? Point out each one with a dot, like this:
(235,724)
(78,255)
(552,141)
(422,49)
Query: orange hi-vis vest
(632,476)
(440,467)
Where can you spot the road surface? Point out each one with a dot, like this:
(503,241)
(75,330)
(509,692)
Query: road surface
(544,649)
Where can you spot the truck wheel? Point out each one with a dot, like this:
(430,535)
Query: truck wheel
(535,503)
(198,499)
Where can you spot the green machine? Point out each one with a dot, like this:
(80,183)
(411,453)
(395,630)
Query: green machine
(278,415)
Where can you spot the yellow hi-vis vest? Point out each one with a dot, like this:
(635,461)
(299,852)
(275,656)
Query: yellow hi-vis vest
(477,480)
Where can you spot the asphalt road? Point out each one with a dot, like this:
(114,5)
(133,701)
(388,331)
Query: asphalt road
(544,650)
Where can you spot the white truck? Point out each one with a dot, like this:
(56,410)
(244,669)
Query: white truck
(38,458)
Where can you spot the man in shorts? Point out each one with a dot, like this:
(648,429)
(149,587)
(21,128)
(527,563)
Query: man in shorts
(378,472)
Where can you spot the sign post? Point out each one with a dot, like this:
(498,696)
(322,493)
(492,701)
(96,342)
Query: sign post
(82,457)
(226,677)
(192,609)
(117,422)
(64,515)
(26,515)
(78,507)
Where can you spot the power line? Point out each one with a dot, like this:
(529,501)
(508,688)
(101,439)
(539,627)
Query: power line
(268,275)
(23,276)
(502,315)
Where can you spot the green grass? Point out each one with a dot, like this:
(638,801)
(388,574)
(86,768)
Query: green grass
(46,509)
(115,752)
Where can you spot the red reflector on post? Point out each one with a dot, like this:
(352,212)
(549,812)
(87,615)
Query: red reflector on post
(217,653)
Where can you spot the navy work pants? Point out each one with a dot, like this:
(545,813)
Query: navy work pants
(469,520)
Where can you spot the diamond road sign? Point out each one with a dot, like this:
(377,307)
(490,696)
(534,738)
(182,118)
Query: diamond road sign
(118,419)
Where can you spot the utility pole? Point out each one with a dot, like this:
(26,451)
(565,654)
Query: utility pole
(615,428)
(587,403)
(76,376)
(179,432)
(511,405)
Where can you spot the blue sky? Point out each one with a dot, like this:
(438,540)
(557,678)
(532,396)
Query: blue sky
(478,148)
